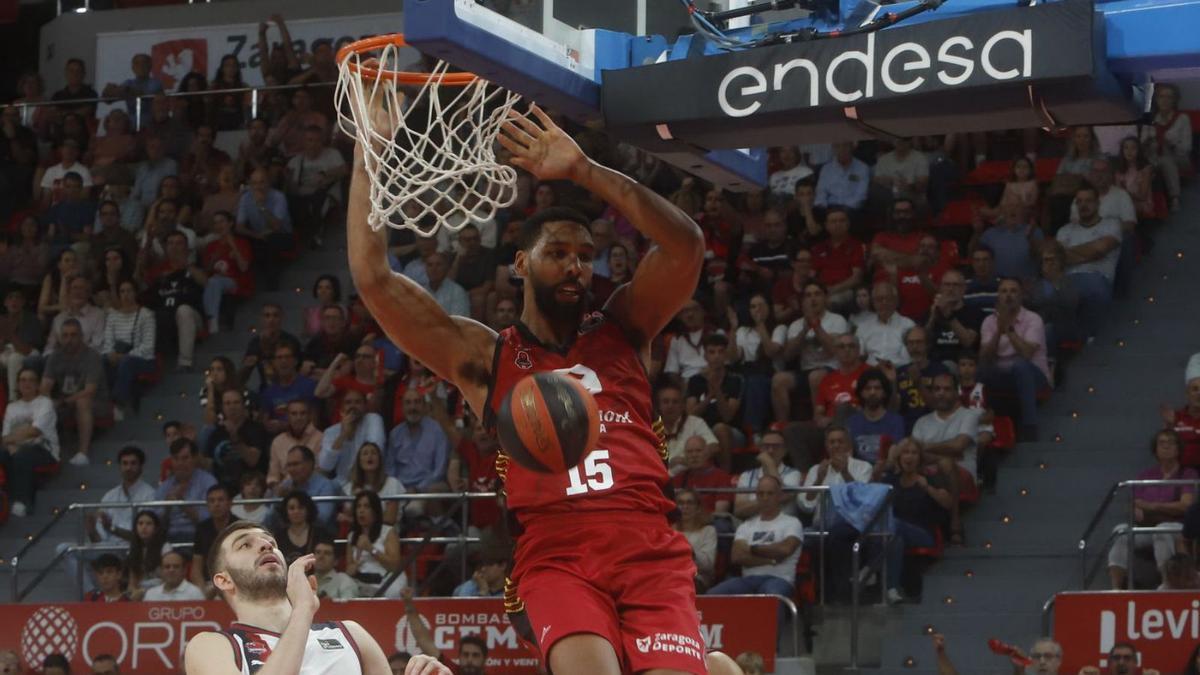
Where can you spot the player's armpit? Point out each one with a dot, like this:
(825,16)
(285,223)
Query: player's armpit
(374,662)
(210,654)
(659,289)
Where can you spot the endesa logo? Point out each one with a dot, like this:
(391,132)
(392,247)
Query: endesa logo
(904,68)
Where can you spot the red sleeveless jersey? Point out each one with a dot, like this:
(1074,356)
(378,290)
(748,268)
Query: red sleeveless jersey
(625,472)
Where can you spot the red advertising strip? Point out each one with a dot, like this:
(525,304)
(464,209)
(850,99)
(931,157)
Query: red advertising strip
(1163,625)
(149,637)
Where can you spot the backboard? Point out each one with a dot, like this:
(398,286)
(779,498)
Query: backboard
(826,70)
(555,52)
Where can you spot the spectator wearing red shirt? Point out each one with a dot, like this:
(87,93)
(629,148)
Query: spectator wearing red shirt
(836,394)
(898,245)
(359,373)
(723,248)
(918,284)
(839,260)
(701,472)
(1186,422)
(472,468)
(789,290)
(227,261)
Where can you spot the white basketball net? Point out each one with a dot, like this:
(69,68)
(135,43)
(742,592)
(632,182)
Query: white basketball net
(428,149)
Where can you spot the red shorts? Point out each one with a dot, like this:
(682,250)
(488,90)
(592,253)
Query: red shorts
(627,577)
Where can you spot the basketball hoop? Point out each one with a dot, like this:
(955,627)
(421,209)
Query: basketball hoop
(428,139)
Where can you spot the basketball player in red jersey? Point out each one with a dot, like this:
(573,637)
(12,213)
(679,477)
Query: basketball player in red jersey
(605,582)
(275,633)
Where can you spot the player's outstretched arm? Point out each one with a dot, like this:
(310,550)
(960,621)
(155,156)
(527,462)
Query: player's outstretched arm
(667,275)
(457,349)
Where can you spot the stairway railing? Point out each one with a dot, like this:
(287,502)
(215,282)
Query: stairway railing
(1088,575)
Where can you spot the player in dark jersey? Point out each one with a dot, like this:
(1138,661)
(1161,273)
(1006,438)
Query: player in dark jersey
(604,580)
(275,632)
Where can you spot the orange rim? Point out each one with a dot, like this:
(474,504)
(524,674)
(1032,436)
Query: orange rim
(402,77)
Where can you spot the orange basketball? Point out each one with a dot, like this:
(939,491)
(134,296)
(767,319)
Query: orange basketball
(548,422)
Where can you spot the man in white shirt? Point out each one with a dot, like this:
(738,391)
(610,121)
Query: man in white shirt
(446,291)
(105,526)
(772,449)
(1093,245)
(331,583)
(812,338)
(1115,204)
(685,355)
(313,176)
(340,442)
(174,588)
(903,171)
(782,183)
(678,426)
(947,438)
(52,179)
(839,469)
(30,440)
(767,547)
(78,305)
(882,333)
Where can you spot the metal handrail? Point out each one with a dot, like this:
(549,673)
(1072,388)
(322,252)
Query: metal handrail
(1086,576)
(856,582)
(17,593)
(27,106)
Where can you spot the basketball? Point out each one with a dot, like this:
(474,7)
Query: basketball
(548,422)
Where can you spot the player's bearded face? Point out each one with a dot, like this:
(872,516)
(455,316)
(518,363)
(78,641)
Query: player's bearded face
(561,302)
(256,581)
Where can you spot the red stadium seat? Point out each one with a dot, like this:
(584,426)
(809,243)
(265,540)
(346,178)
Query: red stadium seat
(989,173)
(1005,432)
(959,212)
(968,488)
(153,377)
(806,581)
(933,552)
(1045,168)
(47,471)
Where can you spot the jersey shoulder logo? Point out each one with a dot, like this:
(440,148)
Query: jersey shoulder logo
(591,322)
(523,360)
(329,643)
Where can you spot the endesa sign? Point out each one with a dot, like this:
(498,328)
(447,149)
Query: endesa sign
(1164,625)
(150,638)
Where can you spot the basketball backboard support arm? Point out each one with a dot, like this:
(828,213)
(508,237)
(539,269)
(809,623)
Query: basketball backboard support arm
(660,94)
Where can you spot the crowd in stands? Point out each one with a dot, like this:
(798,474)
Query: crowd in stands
(879,313)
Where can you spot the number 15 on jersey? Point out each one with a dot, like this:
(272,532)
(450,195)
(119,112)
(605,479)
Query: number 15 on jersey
(592,475)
